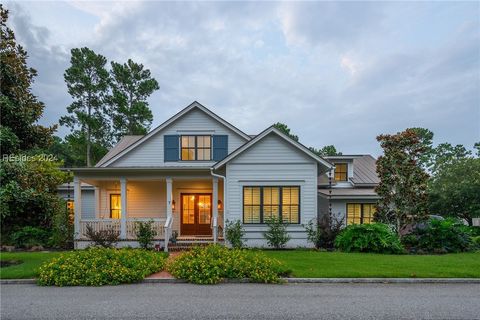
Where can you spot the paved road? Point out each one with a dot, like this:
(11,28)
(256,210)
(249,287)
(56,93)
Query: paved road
(243,301)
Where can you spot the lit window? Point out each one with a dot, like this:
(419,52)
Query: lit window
(115,206)
(341,172)
(358,213)
(196,148)
(70,209)
(263,203)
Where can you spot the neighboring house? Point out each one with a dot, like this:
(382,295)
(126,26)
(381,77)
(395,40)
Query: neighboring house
(196,171)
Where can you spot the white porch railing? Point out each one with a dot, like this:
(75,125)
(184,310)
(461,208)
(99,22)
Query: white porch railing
(106,224)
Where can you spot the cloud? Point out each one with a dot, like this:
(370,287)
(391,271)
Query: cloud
(336,72)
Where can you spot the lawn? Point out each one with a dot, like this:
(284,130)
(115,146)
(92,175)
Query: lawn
(313,264)
(27,269)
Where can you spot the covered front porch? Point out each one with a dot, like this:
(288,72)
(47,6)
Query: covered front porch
(188,206)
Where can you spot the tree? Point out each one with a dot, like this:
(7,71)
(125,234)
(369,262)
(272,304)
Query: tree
(88,82)
(20,108)
(131,86)
(403,182)
(329,150)
(285,129)
(445,154)
(455,190)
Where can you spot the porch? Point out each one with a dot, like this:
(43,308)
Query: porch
(189,206)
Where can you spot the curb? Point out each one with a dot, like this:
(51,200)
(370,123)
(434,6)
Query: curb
(300,280)
(18,281)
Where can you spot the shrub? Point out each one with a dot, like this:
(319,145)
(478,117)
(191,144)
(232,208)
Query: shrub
(234,233)
(476,242)
(374,237)
(100,266)
(62,230)
(145,233)
(105,238)
(276,234)
(211,264)
(323,231)
(30,236)
(439,236)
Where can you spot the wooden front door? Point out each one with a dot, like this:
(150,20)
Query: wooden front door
(196,214)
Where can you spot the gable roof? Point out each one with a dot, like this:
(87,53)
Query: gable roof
(193,105)
(263,134)
(121,145)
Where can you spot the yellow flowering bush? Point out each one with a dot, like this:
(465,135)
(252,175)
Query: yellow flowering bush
(211,264)
(100,266)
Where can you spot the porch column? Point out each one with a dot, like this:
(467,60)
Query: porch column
(169,197)
(77,205)
(215,208)
(123,210)
(97,202)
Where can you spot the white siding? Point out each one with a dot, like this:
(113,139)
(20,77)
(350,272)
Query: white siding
(150,153)
(339,207)
(273,161)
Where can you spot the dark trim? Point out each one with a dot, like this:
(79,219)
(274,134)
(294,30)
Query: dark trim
(280,204)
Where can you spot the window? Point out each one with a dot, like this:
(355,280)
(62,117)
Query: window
(263,203)
(196,148)
(341,172)
(115,206)
(358,213)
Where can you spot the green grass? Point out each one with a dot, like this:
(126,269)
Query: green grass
(314,264)
(28,269)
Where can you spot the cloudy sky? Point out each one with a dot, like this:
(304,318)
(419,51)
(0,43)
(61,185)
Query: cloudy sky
(336,72)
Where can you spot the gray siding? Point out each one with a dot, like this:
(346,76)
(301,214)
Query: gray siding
(339,207)
(88,202)
(272,161)
(150,153)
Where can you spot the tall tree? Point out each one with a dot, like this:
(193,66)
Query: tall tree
(285,129)
(20,108)
(455,189)
(88,82)
(329,150)
(403,182)
(131,86)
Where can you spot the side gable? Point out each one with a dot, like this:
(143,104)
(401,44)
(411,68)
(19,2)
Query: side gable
(195,119)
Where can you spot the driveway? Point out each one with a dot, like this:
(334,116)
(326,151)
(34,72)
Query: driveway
(243,301)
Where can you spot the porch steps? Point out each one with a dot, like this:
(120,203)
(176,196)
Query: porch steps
(188,243)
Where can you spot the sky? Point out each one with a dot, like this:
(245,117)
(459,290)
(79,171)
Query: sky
(336,73)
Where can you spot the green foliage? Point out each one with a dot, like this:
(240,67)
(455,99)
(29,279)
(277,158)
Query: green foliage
(323,231)
(374,238)
(87,82)
(105,238)
(234,233)
(211,264)
(329,150)
(476,242)
(131,86)
(145,233)
(285,129)
(28,237)
(28,192)
(403,182)
(439,236)
(100,266)
(276,234)
(20,108)
(455,190)
(62,229)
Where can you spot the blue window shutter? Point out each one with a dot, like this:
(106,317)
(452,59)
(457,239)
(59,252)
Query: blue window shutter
(170,145)
(220,147)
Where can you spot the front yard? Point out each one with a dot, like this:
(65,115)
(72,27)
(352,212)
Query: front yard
(30,262)
(313,264)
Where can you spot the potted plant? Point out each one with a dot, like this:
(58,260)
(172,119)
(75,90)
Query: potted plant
(173,237)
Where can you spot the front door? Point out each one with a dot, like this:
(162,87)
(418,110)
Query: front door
(196,214)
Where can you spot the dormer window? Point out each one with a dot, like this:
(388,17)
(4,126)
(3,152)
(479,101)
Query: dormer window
(341,172)
(196,148)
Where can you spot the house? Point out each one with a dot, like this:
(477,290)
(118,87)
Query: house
(195,171)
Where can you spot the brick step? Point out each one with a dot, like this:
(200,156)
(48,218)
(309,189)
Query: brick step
(185,245)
